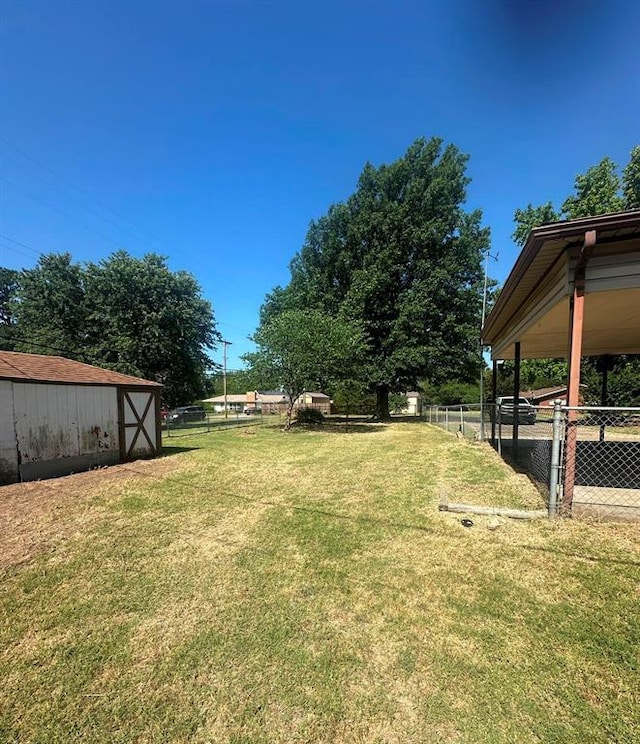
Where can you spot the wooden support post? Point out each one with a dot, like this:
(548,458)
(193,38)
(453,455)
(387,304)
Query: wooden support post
(604,364)
(516,398)
(576,324)
(494,395)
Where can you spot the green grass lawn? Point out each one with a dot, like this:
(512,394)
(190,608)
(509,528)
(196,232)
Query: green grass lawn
(255,586)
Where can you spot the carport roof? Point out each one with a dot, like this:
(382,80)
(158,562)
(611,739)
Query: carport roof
(613,325)
(20,367)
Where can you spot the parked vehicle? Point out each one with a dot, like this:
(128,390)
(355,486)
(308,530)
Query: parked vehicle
(184,414)
(526,411)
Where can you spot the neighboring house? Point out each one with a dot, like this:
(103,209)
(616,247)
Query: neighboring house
(318,401)
(544,397)
(58,416)
(412,407)
(235,402)
(269,401)
(414,403)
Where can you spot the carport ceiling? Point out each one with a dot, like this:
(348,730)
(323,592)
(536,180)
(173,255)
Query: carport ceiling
(533,307)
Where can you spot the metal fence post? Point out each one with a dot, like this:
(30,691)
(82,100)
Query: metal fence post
(461,421)
(446,419)
(500,428)
(554,474)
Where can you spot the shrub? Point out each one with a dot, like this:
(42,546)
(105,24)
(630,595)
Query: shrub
(309,416)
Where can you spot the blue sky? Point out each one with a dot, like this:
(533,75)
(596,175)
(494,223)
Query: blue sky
(213,132)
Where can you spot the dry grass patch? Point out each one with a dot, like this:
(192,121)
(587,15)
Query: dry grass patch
(304,588)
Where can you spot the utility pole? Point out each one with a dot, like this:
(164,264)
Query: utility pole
(224,376)
(484,311)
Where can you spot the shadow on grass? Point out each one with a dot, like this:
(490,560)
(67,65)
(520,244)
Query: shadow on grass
(339,427)
(398,419)
(579,556)
(170,449)
(355,519)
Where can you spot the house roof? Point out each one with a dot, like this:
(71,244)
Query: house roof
(318,395)
(271,396)
(533,306)
(20,367)
(544,392)
(231,398)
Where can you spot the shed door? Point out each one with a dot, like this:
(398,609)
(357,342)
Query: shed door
(137,423)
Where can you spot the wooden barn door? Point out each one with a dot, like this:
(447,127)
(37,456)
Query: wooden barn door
(138,412)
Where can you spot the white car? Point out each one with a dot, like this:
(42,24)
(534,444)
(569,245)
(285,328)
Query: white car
(526,411)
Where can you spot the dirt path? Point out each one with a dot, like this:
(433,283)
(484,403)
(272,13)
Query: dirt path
(35,516)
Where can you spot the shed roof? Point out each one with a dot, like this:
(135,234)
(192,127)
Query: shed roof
(41,368)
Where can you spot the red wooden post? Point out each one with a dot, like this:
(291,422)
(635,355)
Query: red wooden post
(576,323)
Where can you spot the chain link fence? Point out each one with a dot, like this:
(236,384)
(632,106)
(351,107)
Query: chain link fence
(601,462)
(584,460)
(209,421)
(470,421)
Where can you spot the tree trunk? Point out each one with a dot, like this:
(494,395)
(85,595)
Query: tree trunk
(382,404)
(287,423)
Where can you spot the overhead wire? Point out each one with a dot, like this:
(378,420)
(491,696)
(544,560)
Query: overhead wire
(23,245)
(140,231)
(137,231)
(76,201)
(60,211)
(42,346)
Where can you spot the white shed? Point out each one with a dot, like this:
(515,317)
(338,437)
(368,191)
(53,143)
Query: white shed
(59,416)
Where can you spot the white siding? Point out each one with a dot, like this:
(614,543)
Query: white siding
(57,421)
(613,272)
(8,447)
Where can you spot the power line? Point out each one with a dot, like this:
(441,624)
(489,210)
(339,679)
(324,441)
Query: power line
(82,205)
(84,193)
(60,211)
(42,346)
(24,245)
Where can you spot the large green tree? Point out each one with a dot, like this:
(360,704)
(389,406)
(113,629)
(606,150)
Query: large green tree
(305,350)
(147,320)
(130,314)
(599,190)
(631,180)
(9,286)
(529,217)
(51,310)
(402,257)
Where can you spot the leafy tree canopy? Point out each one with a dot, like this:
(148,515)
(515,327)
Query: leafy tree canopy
(631,180)
(130,314)
(9,285)
(305,350)
(403,258)
(599,190)
(529,217)
(239,382)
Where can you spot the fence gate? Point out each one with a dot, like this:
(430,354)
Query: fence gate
(138,431)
